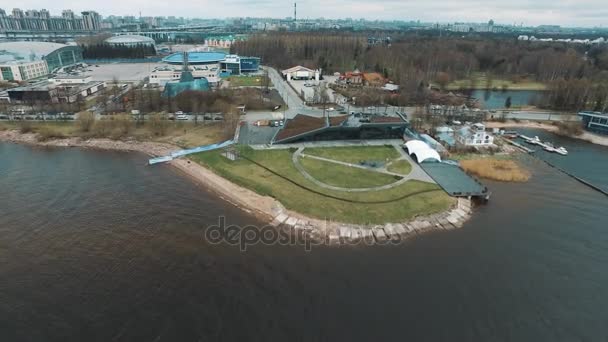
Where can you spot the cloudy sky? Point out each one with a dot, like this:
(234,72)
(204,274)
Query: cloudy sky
(529,12)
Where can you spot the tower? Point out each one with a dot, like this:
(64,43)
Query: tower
(295,12)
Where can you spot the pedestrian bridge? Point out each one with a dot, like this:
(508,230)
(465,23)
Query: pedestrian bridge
(182,153)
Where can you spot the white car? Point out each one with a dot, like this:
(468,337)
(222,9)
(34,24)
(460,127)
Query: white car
(181,117)
(331,109)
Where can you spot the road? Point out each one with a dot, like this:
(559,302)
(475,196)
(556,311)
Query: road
(297,106)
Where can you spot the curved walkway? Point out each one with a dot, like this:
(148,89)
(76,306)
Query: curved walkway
(296,162)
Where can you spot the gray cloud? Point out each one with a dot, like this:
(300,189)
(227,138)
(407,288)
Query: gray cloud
(560,12)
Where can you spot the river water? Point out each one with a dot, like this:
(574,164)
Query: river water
(496,99)
(96,246)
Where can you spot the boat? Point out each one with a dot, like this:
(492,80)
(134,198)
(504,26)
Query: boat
(562,150)
(549,147)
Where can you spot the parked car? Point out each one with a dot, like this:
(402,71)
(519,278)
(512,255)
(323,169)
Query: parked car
(276,107)
(331,109)
(181,117)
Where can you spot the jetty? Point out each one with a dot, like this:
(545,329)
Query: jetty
(520,146)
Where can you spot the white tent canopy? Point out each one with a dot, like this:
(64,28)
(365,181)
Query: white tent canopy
(422,151)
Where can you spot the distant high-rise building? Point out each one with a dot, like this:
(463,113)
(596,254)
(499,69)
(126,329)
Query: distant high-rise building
(91,20)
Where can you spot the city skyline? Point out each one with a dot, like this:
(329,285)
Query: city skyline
(566,13)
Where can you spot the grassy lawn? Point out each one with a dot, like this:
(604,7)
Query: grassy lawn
(355,154)
(481,83)
(402,167)
(344,176)
(295,198)
(247,81)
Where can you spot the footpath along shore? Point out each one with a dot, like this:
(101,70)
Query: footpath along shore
(266,208)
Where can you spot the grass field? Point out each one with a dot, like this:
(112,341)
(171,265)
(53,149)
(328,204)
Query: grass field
(247,81)
(355,154)
(293,197)
(402,167)
(480,82)
(344,176)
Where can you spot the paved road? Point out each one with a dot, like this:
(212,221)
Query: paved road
(297,106)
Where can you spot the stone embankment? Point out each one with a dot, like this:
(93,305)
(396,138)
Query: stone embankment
(333,233)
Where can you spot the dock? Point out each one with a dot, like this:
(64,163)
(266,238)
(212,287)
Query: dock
(455,181)
(520,146)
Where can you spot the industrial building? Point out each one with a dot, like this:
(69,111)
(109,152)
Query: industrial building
(130,40)
(56,56)
(208,65)
(55,92)
(22,70)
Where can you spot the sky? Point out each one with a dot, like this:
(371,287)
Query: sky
(580,13)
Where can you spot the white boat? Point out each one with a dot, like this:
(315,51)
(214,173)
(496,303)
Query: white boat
(549,147)
(562,150)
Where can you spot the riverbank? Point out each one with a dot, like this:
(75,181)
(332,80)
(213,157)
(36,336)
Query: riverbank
(586,136)
(265,207)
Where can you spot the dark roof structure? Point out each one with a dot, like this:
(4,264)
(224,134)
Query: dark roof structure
(342,127)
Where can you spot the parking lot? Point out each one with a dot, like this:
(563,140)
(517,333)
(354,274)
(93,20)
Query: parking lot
(307,86)
(124,72)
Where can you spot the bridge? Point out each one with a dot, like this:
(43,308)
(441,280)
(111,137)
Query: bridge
(182,153)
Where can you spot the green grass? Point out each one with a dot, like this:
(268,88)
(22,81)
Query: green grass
(249,175)
(402,167)
(355,154)
(247,81)
(480,82)
(345,176)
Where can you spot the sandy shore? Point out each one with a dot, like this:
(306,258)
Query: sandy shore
(266,208)
(587,136)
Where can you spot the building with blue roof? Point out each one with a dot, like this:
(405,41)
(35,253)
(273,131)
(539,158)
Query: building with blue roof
(211,65)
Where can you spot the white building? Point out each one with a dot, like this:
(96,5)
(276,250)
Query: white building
(130,40)
(69,79)
(474,135)
(301,73)
(22,70)
(168,73)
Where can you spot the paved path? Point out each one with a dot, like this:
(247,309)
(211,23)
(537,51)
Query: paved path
(413,175)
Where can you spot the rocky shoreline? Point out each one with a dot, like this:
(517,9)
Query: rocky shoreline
(266,208)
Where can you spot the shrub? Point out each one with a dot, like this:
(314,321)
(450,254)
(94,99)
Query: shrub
(25,127)
(47,133)
(85,121)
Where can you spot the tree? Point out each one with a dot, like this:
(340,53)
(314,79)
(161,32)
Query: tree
(508,102)
(443,79)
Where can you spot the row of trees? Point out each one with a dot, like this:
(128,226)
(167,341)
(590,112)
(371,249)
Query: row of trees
(107,51)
